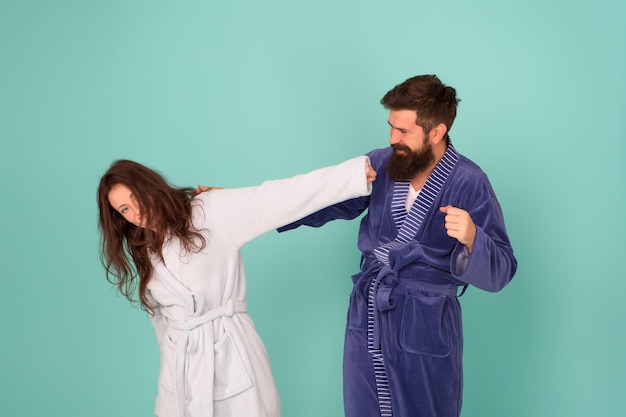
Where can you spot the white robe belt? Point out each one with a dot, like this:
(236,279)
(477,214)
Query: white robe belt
(226,310)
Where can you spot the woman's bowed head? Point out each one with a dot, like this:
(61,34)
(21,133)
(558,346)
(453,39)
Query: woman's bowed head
(138,210)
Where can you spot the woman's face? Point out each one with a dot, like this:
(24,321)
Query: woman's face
(123,201)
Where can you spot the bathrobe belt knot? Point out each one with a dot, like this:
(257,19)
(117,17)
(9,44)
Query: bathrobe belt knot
(226,310)
(385,284)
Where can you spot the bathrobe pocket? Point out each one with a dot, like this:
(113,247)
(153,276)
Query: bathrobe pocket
(231,377)
(425,328)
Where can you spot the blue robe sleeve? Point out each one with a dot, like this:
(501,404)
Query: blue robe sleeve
(346,210)
(491,265)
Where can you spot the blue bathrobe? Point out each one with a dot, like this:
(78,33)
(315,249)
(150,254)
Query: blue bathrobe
(404,338)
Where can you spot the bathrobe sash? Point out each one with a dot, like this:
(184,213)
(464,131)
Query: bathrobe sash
(186,326)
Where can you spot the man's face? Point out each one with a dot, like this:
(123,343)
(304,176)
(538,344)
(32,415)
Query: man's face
(412,149)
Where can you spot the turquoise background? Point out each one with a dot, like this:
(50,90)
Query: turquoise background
(235,92)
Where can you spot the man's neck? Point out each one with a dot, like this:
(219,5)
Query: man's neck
(419,180)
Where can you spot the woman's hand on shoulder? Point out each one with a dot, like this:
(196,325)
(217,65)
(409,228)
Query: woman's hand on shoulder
(370,174)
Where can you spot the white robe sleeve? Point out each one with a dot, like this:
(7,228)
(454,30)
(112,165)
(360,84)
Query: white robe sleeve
(245,213)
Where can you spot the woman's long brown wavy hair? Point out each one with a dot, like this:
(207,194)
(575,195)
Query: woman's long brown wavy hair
(125,249)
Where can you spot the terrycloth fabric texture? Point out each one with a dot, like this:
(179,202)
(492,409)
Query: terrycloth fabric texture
(213,362)
(418,313)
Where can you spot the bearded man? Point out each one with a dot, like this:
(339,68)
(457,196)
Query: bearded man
(433,226)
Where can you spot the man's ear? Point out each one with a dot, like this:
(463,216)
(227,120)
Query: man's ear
(438,133)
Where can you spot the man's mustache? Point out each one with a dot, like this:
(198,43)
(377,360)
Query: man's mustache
(399,147)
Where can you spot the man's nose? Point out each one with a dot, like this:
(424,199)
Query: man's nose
(394,138)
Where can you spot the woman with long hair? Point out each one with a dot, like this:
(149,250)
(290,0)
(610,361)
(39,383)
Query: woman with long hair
(179,251)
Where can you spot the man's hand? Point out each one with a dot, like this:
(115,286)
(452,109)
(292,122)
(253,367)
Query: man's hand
(459,225)
(202,188)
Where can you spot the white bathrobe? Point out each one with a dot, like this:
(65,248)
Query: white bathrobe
(213,363)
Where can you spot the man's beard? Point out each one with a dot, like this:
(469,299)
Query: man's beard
(405,166)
